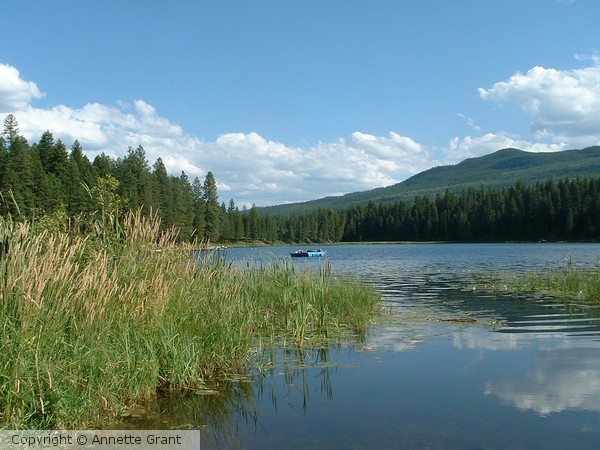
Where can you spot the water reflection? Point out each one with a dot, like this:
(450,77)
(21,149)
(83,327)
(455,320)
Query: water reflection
(524,374)
(288,378)
(213,410)
(562,379)
(232,410)
(564,338)
(566,375)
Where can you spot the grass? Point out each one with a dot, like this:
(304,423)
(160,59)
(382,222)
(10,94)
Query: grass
(91,326)
(569,282)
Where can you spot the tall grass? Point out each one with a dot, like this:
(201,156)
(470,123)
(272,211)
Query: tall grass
(301,303)
(90,326)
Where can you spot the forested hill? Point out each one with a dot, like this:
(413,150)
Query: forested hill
(497,170)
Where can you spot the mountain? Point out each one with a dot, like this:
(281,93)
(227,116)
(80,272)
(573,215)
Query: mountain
(497,170)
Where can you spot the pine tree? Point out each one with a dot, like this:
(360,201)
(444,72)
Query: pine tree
(226,231)
(103,165)
(44,149)
(235,219)
(199,221)
(162,194)
(11,128)
(253,223)
(86,170)
(3,160)
(40,187)
(76,194)
(134,175)
(183,200)
(212,212)
(18,179)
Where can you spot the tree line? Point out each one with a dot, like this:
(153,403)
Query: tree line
(567,209)
(47,180)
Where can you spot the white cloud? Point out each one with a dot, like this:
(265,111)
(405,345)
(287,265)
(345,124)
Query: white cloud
(68,124)
(480,338)
(562,104)
(459,149)
(15,93)
(470,122)
(553,386)
(394,146)
(248,167)
(252,169)
(359,163)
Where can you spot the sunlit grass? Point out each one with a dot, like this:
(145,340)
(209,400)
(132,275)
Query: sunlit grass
(89,327)
(569,282)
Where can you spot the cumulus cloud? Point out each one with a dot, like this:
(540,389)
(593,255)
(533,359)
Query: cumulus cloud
(280,173)
(248,167)
(459,148)
(563,104)
(252,169)
(566,376)
(15,93)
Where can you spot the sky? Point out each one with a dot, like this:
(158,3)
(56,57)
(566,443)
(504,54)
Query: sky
(287,101)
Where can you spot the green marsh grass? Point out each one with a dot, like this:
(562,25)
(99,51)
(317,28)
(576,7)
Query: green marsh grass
(93,325)
(570,282)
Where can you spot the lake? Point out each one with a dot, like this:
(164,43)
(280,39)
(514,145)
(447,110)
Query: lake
(524,374)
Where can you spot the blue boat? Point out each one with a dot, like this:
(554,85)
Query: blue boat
(308,253)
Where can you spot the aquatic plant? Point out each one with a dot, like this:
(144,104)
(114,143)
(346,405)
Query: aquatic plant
(571,282)
(92,325)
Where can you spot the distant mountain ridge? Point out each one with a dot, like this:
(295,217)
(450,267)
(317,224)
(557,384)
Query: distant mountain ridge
(502,168)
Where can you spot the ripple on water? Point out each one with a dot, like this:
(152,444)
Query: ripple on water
(449,294)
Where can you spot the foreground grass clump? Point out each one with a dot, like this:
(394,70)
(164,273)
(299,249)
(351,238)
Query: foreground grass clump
(88,329)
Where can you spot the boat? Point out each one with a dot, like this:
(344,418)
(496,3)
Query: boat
(308,253)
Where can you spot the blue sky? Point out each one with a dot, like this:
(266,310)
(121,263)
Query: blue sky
(288,101)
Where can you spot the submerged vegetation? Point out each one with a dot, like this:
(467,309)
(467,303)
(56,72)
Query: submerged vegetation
(570,283)
(91,325)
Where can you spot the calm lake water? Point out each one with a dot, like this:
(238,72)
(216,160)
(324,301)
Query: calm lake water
(525,374)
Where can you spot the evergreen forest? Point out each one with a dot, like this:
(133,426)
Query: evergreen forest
(60,187)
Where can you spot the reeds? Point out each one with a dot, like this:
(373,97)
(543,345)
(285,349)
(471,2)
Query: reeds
(88,327)
(569,282)
(301,303)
